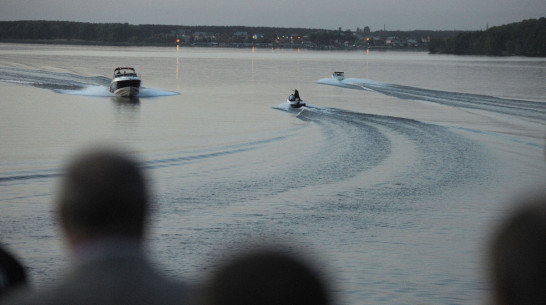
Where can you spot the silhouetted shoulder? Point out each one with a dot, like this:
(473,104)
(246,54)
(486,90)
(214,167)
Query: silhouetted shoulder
(266,277)
(517,252)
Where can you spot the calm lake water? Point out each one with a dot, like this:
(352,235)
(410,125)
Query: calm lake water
(392,179)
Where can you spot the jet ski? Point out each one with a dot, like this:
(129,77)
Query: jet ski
(295,103)
(294,100)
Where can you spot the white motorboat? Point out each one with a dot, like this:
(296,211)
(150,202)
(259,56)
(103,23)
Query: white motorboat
(338,75)
(125,82)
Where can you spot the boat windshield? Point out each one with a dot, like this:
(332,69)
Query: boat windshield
(125,72)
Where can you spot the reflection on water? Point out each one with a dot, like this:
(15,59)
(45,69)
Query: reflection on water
(127,119)
(177,55)
(127,102)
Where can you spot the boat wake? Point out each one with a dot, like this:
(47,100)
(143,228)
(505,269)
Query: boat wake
(521,108)
(103,91)
(69,83)
(286,107)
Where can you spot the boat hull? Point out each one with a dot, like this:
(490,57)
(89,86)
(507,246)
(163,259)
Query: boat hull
(125,87)
(296,104)
(127,91)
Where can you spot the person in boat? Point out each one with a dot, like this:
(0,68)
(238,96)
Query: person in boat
(291,98)
(296,95)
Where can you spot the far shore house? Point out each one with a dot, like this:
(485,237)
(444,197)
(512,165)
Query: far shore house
(241,39)
(391,40)
(295,38)
(240,36)
(257,36)
(184,35)
(203,36)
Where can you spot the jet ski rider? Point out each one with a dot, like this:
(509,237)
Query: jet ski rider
(297,95)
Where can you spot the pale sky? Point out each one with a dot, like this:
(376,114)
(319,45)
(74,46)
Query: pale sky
(324,14)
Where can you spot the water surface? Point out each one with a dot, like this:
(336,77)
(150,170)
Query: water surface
(392,179)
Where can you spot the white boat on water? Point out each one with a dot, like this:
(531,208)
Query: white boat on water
(295,104)
(125,82)
(338,75)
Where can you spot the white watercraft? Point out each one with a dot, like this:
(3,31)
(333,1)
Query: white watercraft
(294,100)
(338,75)
(296,104)
(125,82)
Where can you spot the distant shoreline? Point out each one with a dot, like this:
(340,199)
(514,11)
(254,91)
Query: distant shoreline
(524,38)
(83,42)
(205,45)
(119,34)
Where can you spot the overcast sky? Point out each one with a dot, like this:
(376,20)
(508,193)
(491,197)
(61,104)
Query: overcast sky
(325,14)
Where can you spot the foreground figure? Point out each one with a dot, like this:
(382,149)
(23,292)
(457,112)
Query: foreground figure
(12,272)
(125,82)
(266,277)
(103,208)
(517,254)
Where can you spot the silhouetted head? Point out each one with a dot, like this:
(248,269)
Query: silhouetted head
(266,277)
(103,194)
(518,254)
(12,272)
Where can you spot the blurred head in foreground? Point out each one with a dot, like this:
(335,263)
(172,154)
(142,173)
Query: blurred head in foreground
(518,255)
(12,272)
(103,195)
(266,277)
(102,206)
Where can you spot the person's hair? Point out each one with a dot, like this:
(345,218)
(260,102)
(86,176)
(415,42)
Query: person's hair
(517,255)
(266,277)
(103,193)
(12,272)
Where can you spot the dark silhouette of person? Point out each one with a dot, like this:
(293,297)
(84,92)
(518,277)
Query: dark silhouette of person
(103,207)
(517,255)
(12,272)
(265,277)
(291,98)
(297,95)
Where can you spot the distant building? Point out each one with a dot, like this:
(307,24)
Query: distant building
(184,36)
(240,36)
(295,38)
(204,36)
(412,43)
(179,32)
(391,41)
(378,41)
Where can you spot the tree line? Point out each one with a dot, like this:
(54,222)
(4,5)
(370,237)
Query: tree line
(526,38)
(128,34)
(82,31)
(124,33)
